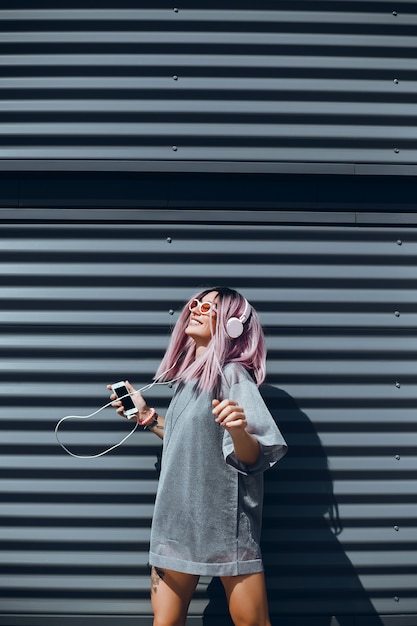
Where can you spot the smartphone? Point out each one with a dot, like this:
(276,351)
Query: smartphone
(120,390)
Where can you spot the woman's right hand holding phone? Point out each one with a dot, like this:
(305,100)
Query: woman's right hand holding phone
(136,397)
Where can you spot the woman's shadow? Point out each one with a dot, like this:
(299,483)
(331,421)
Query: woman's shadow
(309,578)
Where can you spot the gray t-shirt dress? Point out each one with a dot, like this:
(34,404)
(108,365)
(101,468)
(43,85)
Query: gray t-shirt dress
(208,509)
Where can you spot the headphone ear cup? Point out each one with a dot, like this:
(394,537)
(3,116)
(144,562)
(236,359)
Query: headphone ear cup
(234,327)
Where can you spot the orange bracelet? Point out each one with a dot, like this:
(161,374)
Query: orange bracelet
(149,419)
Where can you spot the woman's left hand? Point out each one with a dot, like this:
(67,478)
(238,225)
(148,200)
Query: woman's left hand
(230,415)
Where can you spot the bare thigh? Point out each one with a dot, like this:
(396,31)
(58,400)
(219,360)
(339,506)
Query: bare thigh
(246,596)
(171,594)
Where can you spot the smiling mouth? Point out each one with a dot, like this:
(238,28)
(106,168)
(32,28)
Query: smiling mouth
(195,322)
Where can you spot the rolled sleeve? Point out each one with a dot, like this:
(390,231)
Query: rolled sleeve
(268,456)
(261,425)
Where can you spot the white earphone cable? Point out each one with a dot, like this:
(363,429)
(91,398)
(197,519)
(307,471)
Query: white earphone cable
(105,406)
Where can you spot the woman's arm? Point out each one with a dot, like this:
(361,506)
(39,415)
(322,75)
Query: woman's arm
(157,426)
(232,417)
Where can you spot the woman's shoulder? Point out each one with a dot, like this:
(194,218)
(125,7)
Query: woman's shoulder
(236,373)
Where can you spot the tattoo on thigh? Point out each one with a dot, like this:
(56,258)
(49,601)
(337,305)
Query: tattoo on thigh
(156,576)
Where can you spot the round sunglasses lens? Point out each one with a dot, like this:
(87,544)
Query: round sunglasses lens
(205,307)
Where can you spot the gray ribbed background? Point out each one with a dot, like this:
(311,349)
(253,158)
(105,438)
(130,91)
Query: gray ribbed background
(145,84)
(88,295)
(87,304)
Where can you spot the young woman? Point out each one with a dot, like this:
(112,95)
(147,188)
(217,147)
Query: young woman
(218,438)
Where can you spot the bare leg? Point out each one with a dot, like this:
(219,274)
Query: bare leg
(246,596)
(171,594)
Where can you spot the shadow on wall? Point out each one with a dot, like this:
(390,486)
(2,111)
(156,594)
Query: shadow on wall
(302,555)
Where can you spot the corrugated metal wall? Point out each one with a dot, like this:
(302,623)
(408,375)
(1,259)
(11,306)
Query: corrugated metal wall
(144,84)
(317,87)
(84,304)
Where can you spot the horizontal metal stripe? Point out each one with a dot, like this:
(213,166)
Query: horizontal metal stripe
(210,60)
(365,367)
(214,130)
(109,583)
(131,617)
(361,559)
(76,486)
(102,231)
(381,463)
(70,511)
(326,300)
(375,386)
(349,252)
(322,216)
(382,416)
(290,319)
(210,134)
(41,417)
(364,440)
(386,419)
(214,141)
(402,513)
(343,605)
(348,391)
(398,558)
(81,558)
(383,155)
(310,583)
(349,512)
(58,605)
(376,487)
(171,107)
(364,304)
(62,461)
(199,270)
(357,538)
(217,15)
(325,347)
(58,297)
(331,368)
(372,439)
(349,461)
(231,38)
(68,534)
(111,487)
(218,83)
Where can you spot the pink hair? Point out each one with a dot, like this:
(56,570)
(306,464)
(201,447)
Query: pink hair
(179,362)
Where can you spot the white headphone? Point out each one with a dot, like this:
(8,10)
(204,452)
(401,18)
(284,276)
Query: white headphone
(234,325)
